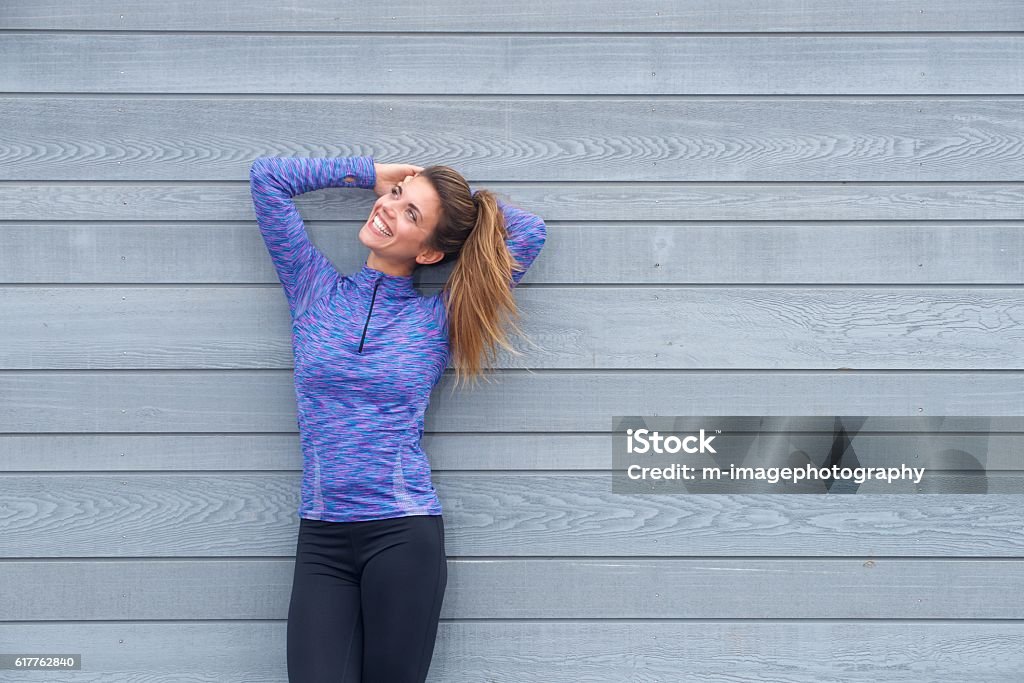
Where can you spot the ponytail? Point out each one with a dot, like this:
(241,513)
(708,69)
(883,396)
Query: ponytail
(479,293)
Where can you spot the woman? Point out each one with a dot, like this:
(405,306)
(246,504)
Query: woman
(370,568)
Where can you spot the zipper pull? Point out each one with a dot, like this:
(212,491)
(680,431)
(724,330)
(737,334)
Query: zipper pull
(369,312)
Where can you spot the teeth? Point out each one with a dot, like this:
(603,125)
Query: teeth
(381,228)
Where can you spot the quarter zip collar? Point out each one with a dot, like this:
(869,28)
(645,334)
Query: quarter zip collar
(381,286)
(390,285)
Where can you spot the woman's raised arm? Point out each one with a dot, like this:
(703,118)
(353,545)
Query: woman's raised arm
(306,274)
(526,234)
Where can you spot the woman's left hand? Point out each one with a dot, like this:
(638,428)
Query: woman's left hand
(389,175)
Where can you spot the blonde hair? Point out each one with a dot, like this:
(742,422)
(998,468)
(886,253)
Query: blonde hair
(478,293)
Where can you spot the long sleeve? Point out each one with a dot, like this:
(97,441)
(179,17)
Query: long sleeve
(306,274)
(526,234)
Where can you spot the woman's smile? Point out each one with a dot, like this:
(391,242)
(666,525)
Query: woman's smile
(381,226)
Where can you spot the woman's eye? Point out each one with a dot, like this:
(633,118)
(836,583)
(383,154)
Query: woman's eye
(395,192)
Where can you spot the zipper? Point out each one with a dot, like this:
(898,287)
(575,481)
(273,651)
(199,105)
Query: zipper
(369,312)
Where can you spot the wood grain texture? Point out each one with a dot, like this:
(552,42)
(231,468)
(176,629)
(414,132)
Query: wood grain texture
(647,328)
(516,652)
(538,588)
(626,139)
(281,452)
(782,208)
(556,201)
(996,449)
(601,252)
(218,401)
(126,515)
(649,16)
(449,64)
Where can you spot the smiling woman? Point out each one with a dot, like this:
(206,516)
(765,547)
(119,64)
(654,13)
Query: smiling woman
(400,224)
(370,570)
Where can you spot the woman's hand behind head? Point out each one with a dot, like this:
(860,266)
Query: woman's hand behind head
(389,175)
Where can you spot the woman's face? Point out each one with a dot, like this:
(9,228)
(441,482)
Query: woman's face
(409,214)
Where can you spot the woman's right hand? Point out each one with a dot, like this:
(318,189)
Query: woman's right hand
(389,175)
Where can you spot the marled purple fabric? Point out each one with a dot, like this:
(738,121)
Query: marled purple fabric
(360,411)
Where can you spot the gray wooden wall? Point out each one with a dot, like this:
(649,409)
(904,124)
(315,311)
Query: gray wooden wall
(754,208)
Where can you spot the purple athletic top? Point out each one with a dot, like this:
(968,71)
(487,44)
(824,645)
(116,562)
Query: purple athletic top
(368,351)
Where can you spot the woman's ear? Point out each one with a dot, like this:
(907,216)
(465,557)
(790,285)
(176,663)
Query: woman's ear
(429,256)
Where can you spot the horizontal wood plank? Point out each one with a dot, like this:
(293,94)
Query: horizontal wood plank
(508,514)
(561,201)
(635,139)
(528,16)
(922,64)
(566,327)
(282,452)
(581,588)
(997,449)
(222,402)
(519,652)
(811,253)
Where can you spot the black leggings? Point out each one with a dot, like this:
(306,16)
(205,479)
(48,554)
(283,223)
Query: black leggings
(366,598)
